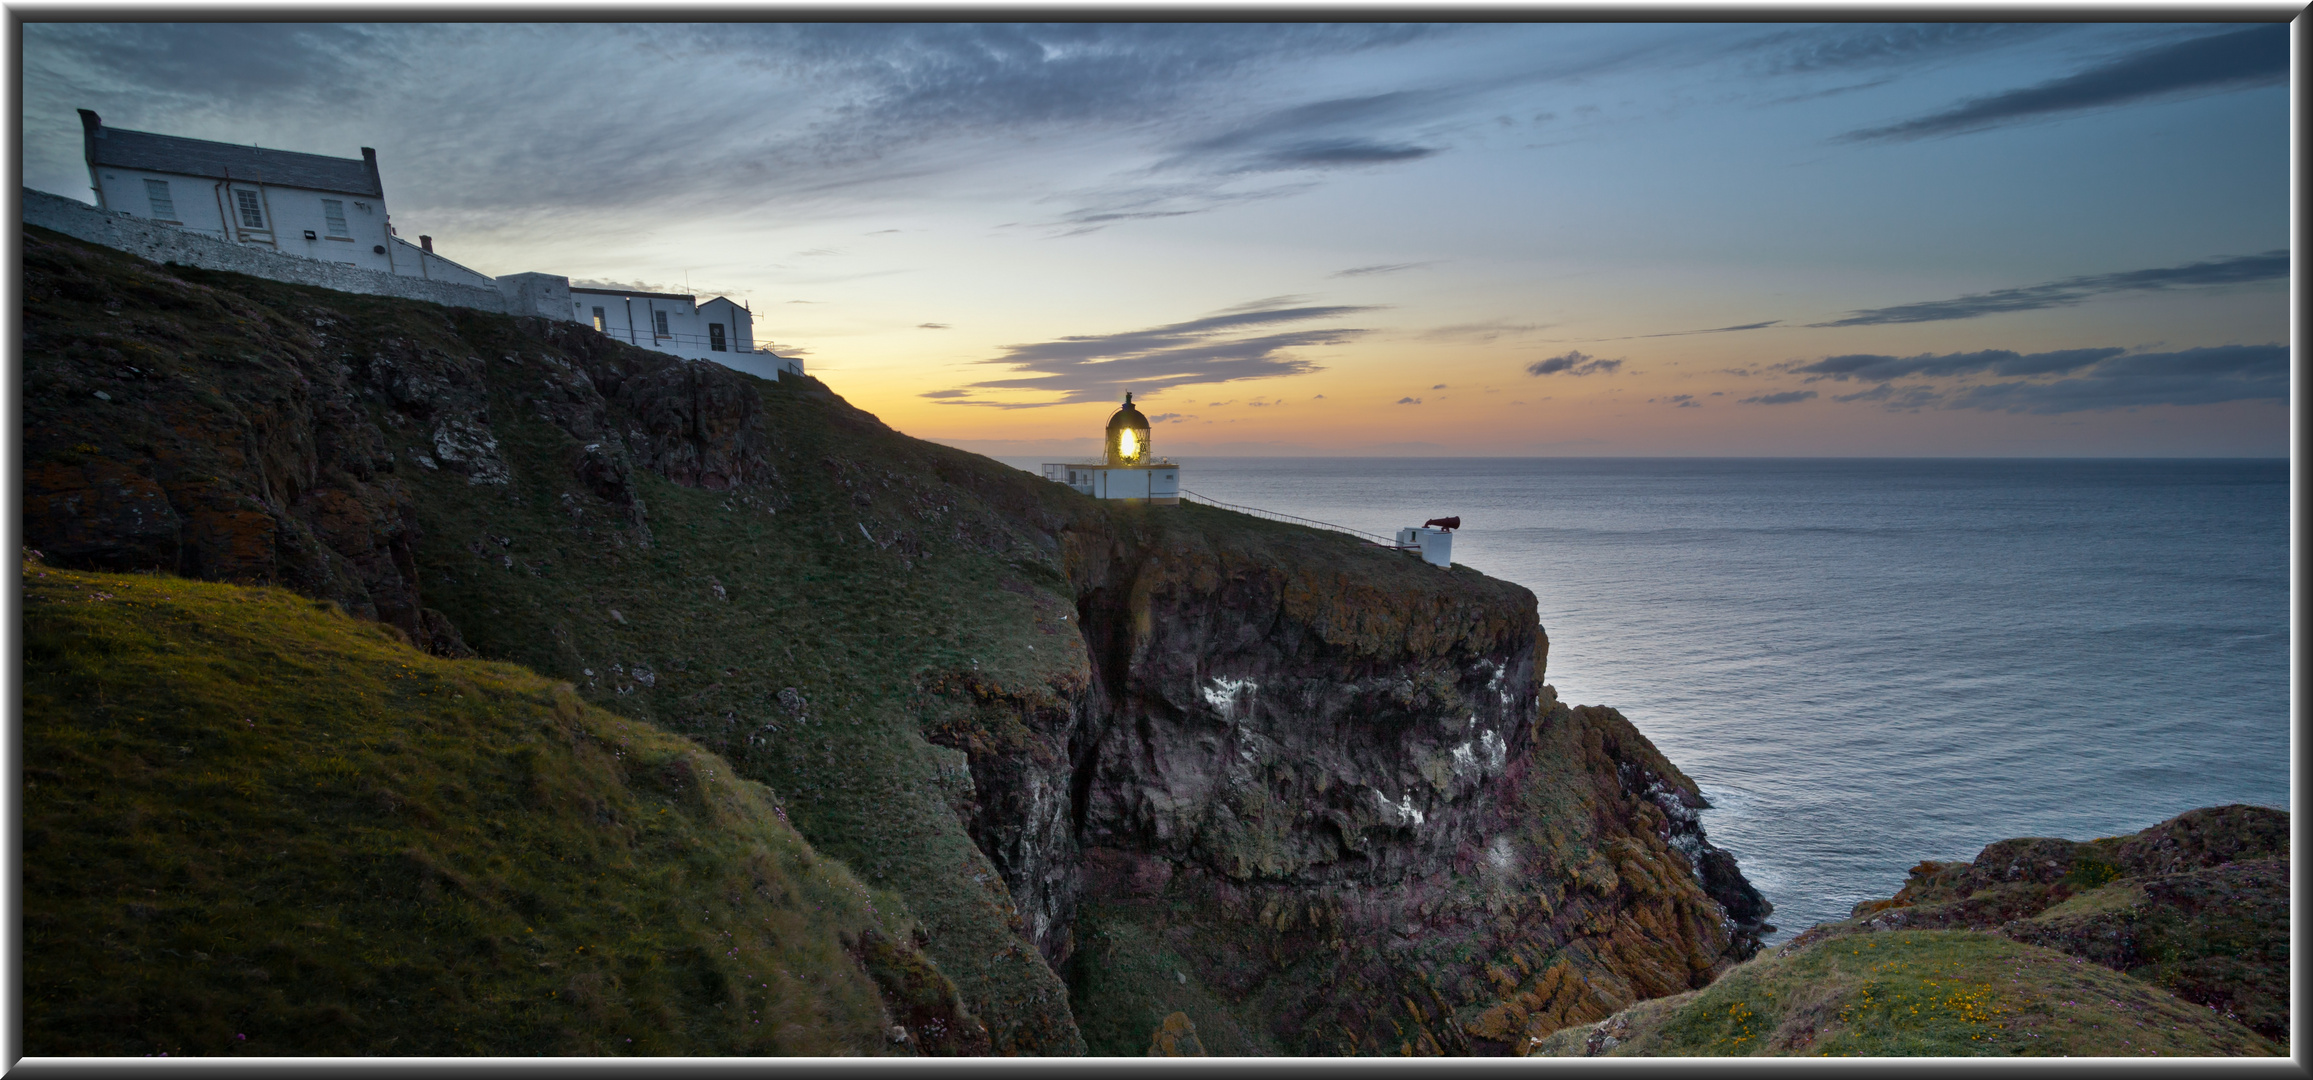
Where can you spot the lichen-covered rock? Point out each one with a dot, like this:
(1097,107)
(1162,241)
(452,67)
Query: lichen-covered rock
(1176,1037)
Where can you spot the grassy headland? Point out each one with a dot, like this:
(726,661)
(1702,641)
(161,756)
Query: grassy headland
(254,825)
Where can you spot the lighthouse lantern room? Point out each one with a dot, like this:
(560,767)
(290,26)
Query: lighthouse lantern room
(1127,469)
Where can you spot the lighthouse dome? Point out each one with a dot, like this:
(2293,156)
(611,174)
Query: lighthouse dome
(1127,439)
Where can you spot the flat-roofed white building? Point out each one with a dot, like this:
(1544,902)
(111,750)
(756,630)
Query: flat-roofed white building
(311,205)
(721,329)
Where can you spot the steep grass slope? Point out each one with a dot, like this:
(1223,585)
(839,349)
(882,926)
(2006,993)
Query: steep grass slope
(254,825)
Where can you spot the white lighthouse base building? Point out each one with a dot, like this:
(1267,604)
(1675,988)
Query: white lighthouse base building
(1158,484)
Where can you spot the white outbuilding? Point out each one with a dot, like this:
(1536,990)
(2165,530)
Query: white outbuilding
(721,329)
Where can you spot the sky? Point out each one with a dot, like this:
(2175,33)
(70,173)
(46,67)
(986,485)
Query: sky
(1497,239)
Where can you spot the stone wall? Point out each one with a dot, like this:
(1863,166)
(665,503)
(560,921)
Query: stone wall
(531,294)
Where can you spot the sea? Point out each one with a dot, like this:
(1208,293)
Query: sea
(1867,663)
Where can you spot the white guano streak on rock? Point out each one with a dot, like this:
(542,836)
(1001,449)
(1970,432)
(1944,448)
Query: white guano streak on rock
(1222,695)
(1403,808)
(1485,754)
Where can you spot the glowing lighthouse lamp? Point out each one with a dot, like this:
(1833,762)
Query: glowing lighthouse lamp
(1127,470)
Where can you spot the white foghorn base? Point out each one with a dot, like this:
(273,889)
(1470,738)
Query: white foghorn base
(1436,545)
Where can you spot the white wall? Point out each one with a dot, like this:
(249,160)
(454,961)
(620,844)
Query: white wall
(169,243)
(410,260)
(203,205)
(547,295)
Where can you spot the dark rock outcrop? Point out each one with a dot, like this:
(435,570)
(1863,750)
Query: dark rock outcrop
(2198,904)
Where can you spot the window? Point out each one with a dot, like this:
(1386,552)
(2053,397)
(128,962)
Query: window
(251,216)
(164,208)
(600,321)
(334,212)
(661,318)
(715,337)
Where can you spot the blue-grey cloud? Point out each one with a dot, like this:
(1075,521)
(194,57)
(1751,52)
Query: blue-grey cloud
(1099,208)
(2187,377)
(1684,401)
(245,61)
(1717,329)
(1380,268)
(1870,367)
(2113,379)
(1409,401)
(1320,134)
(1573,362)
(768,112)
(1787,397)
(2235,270)
(1222,347)
(1908,399)
(933,326)
(1482,332)
(1884,45)
(2251,56)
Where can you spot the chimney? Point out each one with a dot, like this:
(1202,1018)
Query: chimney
(426,242)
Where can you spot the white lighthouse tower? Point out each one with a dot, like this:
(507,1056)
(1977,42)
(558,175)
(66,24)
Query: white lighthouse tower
(1127,469)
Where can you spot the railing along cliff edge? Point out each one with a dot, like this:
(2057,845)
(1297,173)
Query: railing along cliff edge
(1292,520)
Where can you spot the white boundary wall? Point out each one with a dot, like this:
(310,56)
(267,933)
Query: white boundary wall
(166,243)
(542,295)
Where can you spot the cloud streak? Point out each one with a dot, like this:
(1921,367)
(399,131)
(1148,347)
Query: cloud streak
(2002,362)
(1787,397)
(1245,342)
(2227,61)
(1887,45)
(1573,363)
(2236,270)
(1379,268)
(2095,379)
(1718,329)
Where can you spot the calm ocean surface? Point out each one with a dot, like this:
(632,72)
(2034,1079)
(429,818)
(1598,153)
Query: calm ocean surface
(1865,663)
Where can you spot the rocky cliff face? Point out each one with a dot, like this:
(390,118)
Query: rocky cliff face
(1311,795)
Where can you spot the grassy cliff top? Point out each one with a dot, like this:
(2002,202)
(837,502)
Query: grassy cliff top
(255,825)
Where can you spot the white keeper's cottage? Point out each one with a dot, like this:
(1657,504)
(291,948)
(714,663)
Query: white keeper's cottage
(334,210)
(326,208)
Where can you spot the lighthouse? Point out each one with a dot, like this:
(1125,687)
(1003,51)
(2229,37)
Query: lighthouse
(1127,468)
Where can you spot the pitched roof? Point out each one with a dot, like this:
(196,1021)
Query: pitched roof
(125,149)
